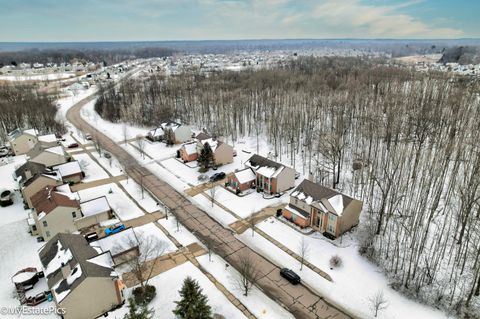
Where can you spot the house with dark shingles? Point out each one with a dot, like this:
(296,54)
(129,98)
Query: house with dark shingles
(271,177)
(81,279)
(49,156)
(33,177)
(323,209)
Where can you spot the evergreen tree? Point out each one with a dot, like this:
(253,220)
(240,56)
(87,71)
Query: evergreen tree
(138,312)
(206,156)
(194,304)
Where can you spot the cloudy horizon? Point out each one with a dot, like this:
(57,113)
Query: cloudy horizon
(164,20)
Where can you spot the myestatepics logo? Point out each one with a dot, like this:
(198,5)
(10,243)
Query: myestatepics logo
(30,311)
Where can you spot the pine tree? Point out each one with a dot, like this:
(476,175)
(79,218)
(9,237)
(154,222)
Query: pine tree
(206,155)
(194,304)
(138,312)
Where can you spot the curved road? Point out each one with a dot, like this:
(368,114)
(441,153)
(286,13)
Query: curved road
(299,300)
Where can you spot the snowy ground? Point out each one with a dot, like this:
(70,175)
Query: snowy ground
(246,205)
(256,301)
(37,77)
(112,130)
(123,206)
(181,234)
(353,283)
(217,213)
(92,170)
(148,203)
(109,164)
(150,229)
(168,284)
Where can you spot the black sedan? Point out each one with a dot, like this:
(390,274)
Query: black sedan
(290,275)
(217,176)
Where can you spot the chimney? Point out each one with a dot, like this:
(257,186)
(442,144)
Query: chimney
(66,270)
(28,174)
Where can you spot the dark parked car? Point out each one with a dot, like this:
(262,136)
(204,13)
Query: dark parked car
(290,275)
(73,145)
(91,236)
(107,155)
(217,176)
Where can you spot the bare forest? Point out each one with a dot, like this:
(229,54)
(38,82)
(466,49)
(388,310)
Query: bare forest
(24,107)
(405,143)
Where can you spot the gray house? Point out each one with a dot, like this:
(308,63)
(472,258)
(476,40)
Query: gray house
(81,280)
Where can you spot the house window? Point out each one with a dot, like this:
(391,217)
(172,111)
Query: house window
(74,214)
(332,221)
(34,228)
(47,234)
(45,224)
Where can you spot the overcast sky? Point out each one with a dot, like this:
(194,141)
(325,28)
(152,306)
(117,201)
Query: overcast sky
(130,20)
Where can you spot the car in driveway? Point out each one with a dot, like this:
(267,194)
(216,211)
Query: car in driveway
(217,176)
(114,229)
(73,145)
(290,275)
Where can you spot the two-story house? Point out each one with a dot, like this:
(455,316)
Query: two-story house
(271,177)
(82,280)
(323,209)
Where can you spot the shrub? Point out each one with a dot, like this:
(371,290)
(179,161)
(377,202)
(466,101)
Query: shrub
(335,262)
(203,169)
(143,295)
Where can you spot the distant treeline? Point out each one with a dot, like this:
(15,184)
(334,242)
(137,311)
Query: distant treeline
(90,55)
(462,55)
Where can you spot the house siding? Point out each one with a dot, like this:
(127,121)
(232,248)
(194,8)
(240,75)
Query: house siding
(59,220)
(223,154)
(92,298)
(89,221)
(23,144)
(182,134)
(285,180)
(40,183)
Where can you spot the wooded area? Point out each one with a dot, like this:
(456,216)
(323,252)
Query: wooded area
(405,143)
(24,107)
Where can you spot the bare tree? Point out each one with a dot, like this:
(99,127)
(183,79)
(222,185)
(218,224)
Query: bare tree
(142,264)
(251,221)
(248,273)
(125,133)
(140,140)
(303,251)
(378,302)
(213,192)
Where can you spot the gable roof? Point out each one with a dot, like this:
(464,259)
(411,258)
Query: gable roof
(47,199)
(324,197)
(245,175)
(74,250)
(190,148)
(33,168)
(264,166)
(202,136)
(68,169)
(18,132)
(95,206)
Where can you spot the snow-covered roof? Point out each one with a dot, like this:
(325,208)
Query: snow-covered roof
(321,197)
(49,138)
(68,169)
(103,260)
(190,148)
(31,131)
(269,171)
(245,176)
(213,143)
(95,206)
(337,203)
(156,132)
(62,257)
(61,289)
(56,150)
(117,243)
(170,125)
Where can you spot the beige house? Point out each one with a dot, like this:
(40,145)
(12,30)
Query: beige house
(54,212)
(70,172)
(22,141)
(47,141)
(93,212)
(324,209)
(49,157)
(222,153)
(271,177)
(180,133)
(33,177)
(82,280)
